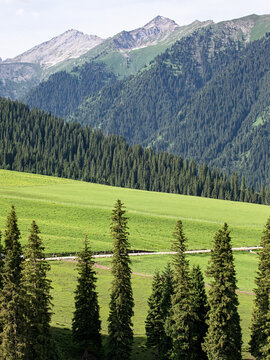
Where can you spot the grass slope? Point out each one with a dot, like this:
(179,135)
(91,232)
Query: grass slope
(66,210)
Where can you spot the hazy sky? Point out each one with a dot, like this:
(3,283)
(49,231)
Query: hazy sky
(25,23)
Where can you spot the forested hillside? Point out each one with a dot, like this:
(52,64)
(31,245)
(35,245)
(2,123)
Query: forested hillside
(64,92)
(35,141)
(146,103)
(206,98)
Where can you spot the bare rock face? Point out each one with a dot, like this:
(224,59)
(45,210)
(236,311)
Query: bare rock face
(156,30)
(70,44)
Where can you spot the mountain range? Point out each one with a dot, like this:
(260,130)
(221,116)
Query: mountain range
(200,91)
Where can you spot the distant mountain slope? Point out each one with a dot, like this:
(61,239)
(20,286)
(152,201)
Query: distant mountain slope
(227,122)
(17,79)
(201,99)
(35,141)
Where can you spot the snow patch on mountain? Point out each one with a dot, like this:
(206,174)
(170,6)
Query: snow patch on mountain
(69,45)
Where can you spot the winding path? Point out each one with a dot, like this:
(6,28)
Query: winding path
(74,258)
(97,265)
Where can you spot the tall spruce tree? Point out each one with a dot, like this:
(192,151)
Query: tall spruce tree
(39,342)
(223,339)
(159,304)
(121,303)
(154,324)
(199,300)
(12,309)
(86,323)
(182,317)
(260,317)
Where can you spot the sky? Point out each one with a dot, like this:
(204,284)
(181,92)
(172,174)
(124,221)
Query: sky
(26,23)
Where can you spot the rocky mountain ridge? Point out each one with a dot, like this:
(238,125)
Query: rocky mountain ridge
(70,44)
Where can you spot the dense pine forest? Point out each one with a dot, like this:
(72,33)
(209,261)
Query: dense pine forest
(37,142)
(64,92)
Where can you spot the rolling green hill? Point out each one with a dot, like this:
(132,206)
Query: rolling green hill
(66,210)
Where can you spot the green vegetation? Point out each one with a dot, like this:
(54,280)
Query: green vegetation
(246,264)
(66,210)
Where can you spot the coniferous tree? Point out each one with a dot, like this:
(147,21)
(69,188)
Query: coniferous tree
(223,339)
(39,342)
(154,324)
(159,304)
(121,303)
(12,298)
(182,317)
(86,323)
(199,300)
(260,316)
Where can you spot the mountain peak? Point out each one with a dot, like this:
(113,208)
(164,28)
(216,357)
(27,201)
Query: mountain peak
(156,30)
(160,21)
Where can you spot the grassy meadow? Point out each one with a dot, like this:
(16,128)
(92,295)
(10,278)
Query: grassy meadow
(66,210)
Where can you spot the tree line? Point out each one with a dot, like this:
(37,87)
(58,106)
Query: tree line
(182,321)
(37,142)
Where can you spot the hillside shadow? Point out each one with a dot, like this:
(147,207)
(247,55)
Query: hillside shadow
(70,351)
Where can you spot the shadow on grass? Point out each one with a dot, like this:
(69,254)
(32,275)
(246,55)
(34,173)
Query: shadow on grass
(70,351)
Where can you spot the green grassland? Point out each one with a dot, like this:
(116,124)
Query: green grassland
(66,210)
(246,265)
